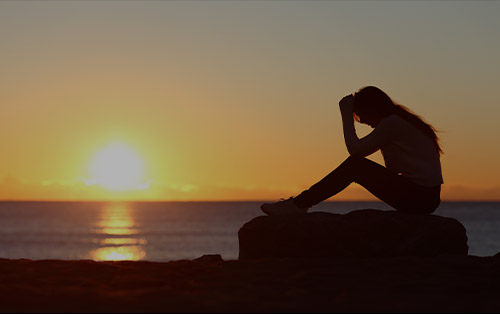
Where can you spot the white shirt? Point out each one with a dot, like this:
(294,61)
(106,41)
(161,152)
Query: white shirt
(406,149)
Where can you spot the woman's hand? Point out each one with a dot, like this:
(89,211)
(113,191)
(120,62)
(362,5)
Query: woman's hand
(347,103)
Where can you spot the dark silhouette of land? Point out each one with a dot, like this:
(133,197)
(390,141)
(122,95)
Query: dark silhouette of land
(401,284)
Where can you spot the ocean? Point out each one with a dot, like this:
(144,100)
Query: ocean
(165,231)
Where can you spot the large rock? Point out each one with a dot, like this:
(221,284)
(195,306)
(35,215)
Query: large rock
(360,233)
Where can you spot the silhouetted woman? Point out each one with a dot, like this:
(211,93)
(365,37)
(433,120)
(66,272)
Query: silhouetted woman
(410,181)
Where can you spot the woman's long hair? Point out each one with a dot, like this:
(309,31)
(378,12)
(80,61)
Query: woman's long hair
(371,101)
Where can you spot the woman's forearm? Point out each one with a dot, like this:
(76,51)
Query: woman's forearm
(356,146)
(350,136)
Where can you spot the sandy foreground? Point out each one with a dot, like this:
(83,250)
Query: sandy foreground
(209,284)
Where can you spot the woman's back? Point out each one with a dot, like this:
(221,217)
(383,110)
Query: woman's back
(410,152)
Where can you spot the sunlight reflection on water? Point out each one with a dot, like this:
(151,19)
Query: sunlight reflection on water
(120,253)
(118,225)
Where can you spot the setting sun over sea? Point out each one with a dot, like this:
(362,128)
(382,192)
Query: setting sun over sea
(233,100)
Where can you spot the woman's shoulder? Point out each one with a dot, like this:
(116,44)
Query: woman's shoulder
(395,125)
(399,126)
(393,120)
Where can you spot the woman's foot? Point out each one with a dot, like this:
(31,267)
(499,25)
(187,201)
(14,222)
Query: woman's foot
(283,207)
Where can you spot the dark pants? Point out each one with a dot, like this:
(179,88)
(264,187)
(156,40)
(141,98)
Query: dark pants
(395,190)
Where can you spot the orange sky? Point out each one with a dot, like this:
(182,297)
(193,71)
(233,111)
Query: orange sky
(236,100)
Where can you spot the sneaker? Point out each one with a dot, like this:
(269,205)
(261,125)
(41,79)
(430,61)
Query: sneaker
(283,207)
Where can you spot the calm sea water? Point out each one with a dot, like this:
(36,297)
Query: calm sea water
(176,230)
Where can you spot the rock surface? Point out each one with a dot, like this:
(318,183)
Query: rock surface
(360,233)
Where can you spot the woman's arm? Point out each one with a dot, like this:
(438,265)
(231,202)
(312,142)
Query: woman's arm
(368,144)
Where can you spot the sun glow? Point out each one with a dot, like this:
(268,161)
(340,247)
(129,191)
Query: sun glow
(117,167)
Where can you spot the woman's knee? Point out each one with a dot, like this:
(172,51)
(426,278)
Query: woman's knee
(363,170)
(356,162)
(355,159)
(361,161)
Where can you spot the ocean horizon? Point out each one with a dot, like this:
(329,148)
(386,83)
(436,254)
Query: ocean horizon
(175,230)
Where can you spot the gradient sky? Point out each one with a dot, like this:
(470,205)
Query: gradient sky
(237,100)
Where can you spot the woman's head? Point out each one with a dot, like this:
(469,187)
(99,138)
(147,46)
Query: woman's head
(371,105)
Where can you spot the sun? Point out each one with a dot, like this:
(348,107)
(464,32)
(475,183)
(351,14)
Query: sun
(117,167)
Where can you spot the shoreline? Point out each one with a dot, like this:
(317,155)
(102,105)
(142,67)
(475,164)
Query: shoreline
(210,284)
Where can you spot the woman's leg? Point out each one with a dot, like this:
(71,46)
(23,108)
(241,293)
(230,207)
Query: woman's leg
(389,187)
